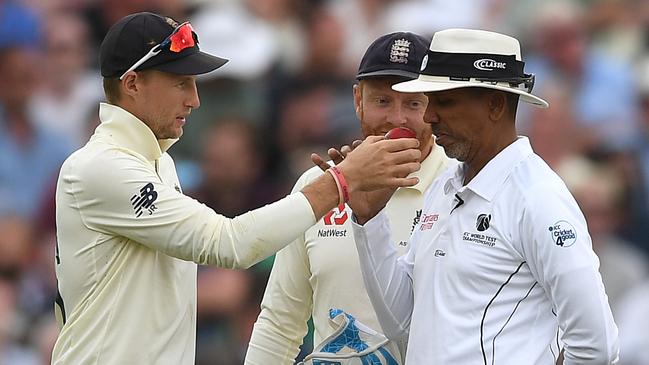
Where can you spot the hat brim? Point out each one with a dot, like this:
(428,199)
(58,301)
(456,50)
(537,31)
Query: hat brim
(387,73)
(195,64)
(427,83)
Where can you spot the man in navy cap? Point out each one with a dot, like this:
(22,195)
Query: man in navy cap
(319,272)
(129,240)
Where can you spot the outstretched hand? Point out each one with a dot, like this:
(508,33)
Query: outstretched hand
(374,168)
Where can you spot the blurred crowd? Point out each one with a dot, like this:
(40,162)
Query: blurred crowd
(286,93)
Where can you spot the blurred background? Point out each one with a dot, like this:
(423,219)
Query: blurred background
(287,92)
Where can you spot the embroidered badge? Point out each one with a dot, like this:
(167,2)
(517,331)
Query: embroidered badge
(400,51)
(171,22)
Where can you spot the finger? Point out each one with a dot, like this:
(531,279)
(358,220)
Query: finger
(406,169)
(392,145)
(335,155)
(356,143)
(405,156)
(318,161)
(345,150)
(373,139)
(405,182)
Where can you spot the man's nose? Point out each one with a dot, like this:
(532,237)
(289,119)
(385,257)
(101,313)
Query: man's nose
(193,100)
(431,116)
(397,117)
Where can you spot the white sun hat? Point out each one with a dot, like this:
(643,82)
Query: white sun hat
(459,58)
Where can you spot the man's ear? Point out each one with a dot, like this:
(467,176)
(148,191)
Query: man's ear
(358,100)
(131,84)
(497,105)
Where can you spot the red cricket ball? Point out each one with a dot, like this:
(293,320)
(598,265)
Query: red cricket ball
(400,132)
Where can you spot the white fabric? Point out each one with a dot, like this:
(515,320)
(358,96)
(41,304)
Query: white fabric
(320,271)
(499,292)
(128,280)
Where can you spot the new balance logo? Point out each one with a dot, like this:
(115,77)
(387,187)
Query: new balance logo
(145,200)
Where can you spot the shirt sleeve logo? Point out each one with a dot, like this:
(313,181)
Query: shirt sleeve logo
(563,234)
(482,224)
(144,201)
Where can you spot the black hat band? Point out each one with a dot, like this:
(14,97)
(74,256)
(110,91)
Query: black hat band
(483,67)
(472,65)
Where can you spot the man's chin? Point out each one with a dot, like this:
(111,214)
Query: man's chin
(175,134)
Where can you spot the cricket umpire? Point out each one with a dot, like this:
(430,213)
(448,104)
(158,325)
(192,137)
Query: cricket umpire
(500,268)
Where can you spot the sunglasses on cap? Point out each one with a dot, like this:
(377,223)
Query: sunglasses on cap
(527,81)
(181,38)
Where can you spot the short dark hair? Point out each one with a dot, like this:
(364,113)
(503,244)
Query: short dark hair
(111,89)
(112,86)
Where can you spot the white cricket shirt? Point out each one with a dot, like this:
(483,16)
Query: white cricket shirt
(495,279)
(320,271)
(129,241)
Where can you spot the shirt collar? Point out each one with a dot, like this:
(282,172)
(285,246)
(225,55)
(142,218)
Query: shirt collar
(490,179)
(430,167)
(130,132)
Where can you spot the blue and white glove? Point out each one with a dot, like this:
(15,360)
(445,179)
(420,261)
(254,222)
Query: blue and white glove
(352,343)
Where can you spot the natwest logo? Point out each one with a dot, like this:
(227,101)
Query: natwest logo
(337,217)
(486,64)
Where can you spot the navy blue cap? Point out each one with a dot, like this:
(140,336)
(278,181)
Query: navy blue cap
(395,54)
(133,36)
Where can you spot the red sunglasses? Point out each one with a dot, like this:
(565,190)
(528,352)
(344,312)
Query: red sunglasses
(181,38)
